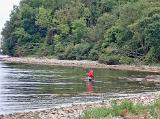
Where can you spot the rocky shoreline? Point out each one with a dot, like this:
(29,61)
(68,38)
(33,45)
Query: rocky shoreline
(76,63)
(75,111)
(70,112)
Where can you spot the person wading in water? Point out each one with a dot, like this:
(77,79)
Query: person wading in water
(90,75)
(90,83)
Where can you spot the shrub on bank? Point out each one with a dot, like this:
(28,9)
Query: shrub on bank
(67,54)
(93,55)
(109,60)
(58,48)
(76,52)
(124,109)
(82,51)
(45,50)
(61,56)
(154,110)
(126,60)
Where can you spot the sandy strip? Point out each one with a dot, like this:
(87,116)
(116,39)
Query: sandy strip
(76,63)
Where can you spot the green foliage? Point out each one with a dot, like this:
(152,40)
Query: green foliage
(45,50)
(25,50)
(96,113)
(131,28)
(118,35)
(61,56)
(9,46)
(82,51)
(64,29)
(77,52)
(79,30)
(110,60)
(22,36)
(69,52)
(126,60)
(130,12)
(59,48)
(44,18)
(93,54)
(150,57)
(125,107)
(155,109)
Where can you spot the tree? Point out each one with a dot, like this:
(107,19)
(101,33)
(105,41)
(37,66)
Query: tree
(79,30)
(129,13)
(44,18)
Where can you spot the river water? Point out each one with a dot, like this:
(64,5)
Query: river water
(34,87)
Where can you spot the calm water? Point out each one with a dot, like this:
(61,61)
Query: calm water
(32,87)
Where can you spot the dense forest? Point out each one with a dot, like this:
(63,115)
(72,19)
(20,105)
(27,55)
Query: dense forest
(110,31)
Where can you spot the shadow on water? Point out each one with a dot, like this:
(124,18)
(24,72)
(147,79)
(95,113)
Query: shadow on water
(29,87)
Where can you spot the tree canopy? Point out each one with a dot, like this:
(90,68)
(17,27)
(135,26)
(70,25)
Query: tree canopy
(111,31)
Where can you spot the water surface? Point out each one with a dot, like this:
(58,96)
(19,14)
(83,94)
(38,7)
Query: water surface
(32,87)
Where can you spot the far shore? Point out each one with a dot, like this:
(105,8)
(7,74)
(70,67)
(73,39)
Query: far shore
(78,63)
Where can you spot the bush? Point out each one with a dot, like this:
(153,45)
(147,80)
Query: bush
(126,60)
(59,48)
(125,108)
(71,55)
(155,109)
(151,56)
(82,51)
(61,56)
(111,50)
(69,52)
(25,50)
(77,52)
(110,60)
(93,55)
(45,50)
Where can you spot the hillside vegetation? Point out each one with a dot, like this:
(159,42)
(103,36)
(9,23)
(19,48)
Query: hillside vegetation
(111,31)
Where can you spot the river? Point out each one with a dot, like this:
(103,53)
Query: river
(35,87)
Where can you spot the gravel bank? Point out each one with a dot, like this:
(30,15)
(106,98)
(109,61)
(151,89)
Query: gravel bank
(71,112)
(75,111)
(82,63)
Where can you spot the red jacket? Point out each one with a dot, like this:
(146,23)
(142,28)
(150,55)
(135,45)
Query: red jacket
(91,73)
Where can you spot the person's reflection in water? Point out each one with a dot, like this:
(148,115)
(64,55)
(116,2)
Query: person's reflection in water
(90,86)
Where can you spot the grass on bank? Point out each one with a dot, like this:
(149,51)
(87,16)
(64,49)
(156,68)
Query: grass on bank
(125,109)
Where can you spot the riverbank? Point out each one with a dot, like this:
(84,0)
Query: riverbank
(75,111)
(76,63)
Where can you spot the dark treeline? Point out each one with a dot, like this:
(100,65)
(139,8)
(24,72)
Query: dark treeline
(111,31)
